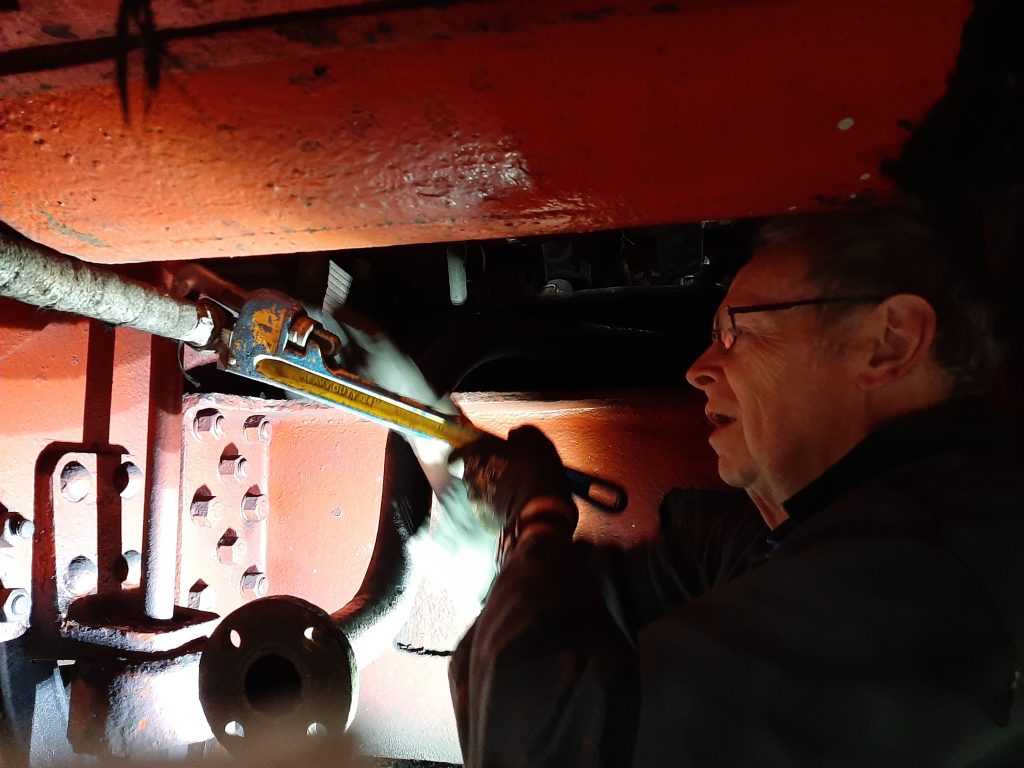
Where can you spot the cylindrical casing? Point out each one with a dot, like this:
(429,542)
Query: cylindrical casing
(44,278)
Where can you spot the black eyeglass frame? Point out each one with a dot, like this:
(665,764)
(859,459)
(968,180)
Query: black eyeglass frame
(728,340)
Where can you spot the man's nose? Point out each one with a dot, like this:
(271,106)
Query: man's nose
(703,373)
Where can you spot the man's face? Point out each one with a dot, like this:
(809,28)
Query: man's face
(782,401)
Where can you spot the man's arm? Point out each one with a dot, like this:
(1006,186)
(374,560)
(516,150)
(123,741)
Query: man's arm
(545,676)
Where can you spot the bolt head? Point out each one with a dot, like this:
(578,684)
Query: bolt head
(255,507)
(233,467)
(231,552)
(254,585)
(205,512)
(16,529)
(208,424)
(202,597)
(257,429)
(16,604)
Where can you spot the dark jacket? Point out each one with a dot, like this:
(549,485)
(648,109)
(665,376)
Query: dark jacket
(886,628)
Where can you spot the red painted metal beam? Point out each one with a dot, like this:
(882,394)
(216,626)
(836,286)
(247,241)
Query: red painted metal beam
(376,124)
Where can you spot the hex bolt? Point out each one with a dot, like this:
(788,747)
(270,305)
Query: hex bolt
(230,549)
(205,512)
(202,597)
(256,429)
(15,604)
(208,423)
(233,467)
(254,584)
(129,480)
(255,507)
(75,481)
(16,530)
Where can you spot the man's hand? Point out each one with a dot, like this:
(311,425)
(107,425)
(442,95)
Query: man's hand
(520,482)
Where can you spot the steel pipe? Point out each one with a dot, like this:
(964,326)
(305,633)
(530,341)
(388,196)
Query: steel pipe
(47,279)
(163,476)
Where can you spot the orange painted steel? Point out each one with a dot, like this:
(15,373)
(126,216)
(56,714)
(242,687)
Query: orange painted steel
(375,124)
(322,472)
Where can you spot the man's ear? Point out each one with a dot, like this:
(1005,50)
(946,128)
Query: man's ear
(902,332)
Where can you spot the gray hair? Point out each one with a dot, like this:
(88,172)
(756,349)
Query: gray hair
(886,252)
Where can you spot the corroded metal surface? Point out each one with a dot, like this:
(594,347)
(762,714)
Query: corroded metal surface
(371,124)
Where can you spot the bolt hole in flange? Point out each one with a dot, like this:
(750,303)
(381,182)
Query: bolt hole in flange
(316,729)
(234,729)
(235,639)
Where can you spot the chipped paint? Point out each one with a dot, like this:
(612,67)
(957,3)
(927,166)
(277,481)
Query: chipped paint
(63,229)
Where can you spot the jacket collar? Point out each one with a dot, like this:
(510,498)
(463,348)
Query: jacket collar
(956,427)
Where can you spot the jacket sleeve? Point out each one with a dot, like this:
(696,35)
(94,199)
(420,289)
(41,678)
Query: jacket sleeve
(549,673)
(545,677)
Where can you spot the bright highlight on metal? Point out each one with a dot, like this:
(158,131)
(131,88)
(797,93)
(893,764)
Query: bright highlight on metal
(404,416)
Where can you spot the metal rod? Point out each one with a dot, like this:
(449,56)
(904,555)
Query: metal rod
(163,475)
(45,278)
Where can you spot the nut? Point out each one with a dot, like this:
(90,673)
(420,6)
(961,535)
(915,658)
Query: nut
(233,467)
(16,530)
(75,481)
(208,423)
(255,507)
(16,604)
(205,511)
(256,429)
(254,584)
(230,549)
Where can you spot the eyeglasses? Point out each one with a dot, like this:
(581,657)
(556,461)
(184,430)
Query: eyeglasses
(726,337)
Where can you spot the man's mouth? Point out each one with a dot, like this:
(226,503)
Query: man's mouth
(719,419)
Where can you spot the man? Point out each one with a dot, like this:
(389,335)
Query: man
(884,626)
